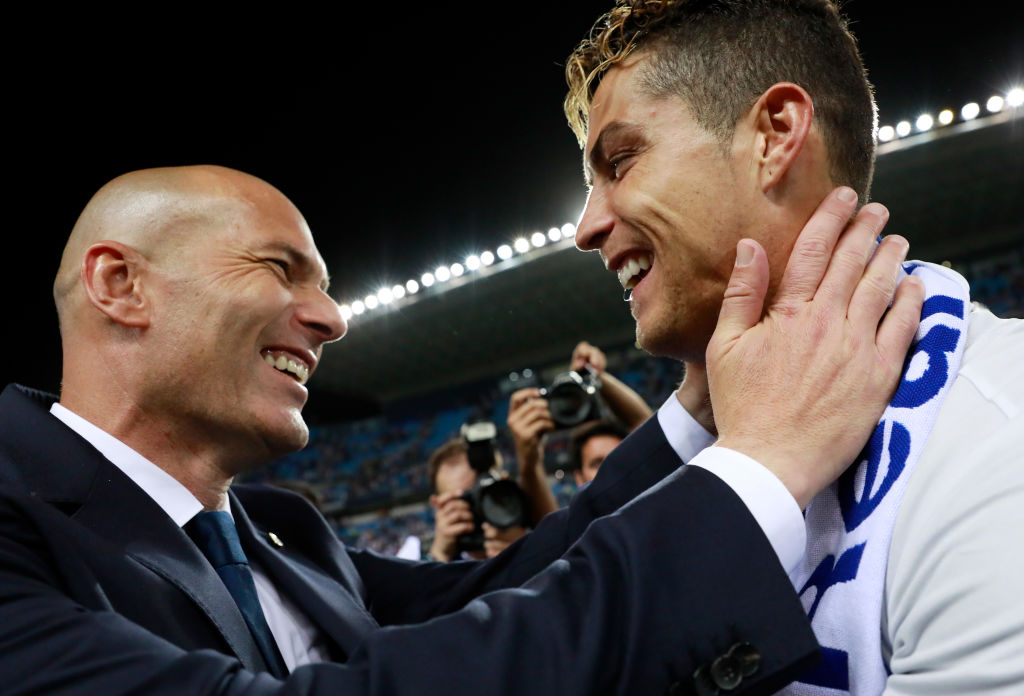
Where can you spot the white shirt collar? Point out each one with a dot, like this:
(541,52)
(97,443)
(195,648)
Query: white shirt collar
(172,497)
(686,436)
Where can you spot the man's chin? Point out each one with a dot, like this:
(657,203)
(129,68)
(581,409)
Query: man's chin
(678,345)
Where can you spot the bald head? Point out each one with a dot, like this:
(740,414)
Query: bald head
(155,212)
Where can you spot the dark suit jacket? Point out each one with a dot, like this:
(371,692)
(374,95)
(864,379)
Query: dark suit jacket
(101,593)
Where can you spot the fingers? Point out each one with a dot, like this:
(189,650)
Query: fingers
(854,249)
(897,329)
(813,248)
(586,354)
(877,286)
(743,302)
(521,396)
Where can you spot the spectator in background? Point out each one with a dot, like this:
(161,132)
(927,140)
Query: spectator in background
(529,420)
(589,444)
(450,476)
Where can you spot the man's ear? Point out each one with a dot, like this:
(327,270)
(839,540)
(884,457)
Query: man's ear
(782,119)
(577,474)
(111,276)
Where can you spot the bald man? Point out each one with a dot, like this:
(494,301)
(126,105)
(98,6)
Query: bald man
(193,308)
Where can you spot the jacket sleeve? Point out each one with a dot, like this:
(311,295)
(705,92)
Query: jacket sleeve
(668,585)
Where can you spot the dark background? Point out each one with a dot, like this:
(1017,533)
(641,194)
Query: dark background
(407,135)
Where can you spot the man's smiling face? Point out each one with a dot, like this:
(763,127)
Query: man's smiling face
(241,316)
(665,210)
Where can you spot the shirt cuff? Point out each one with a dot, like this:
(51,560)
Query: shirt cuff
(683,432)
(770,502)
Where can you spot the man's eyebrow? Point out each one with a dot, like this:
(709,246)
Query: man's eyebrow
(596,156)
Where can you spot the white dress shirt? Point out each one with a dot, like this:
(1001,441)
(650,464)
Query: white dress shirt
(299,640)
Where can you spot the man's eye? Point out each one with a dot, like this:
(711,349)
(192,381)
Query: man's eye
(280,265)
(617,165)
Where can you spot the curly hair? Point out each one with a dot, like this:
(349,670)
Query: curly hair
(719,56)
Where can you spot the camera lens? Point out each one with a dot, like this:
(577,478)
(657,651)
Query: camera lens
(502,504)
(569,404)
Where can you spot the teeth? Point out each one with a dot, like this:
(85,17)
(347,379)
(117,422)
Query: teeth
(287,365)
(633,270)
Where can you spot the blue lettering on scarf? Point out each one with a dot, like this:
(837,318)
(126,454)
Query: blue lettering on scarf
(856,511)
(833,671)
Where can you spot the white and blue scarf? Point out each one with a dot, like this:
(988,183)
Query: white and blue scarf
(850,524)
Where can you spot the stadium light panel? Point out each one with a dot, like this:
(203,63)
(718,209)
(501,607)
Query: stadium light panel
(358,307)
(568,230)
(886,133)
(398,292)
(487,258)
(903,128)
(472,262)
(385,296)
(924,122)
(945,117)
(995,104)
(457,269)
(504,252)
(1015,97)
(442,274)
(346,312)
(555,234)
(370,302)
(412,286)
(970,111)
(538,239)
(521,245)
(427,279)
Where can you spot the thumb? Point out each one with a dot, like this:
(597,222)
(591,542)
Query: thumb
(743,302)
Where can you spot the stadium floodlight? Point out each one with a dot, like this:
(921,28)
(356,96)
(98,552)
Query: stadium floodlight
(457,269)
(970,111)
(568,230)
(886,133)
(521,245)
(924,122)
(1015,97)
(412,286)
(946,117)
(555,234)
(346,312)
(371,302)
(427,279)
(442,274)
(385,296)
(358,307)
(472,262)
(487,258)
(903,128)
(504,252)
(398,292)
(994,104)
(538,239)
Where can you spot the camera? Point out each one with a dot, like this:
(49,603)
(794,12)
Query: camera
(499,502)
(573,397)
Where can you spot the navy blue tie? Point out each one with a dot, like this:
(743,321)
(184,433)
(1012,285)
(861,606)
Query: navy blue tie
(215,534)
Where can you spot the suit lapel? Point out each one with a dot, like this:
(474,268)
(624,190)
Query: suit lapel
(66,471)
(321,598)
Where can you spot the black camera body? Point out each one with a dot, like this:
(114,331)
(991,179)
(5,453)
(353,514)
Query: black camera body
(499,502)
(573,397)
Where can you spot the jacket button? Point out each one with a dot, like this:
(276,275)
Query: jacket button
(726,672)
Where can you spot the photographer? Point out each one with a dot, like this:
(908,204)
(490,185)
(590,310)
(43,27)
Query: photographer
(450,477)
(530,419)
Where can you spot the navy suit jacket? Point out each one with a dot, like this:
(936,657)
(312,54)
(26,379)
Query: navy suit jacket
(647,582)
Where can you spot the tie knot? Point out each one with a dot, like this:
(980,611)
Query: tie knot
(215,534)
